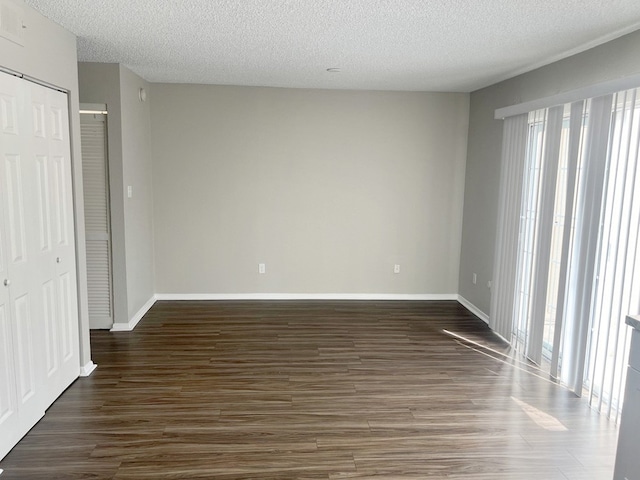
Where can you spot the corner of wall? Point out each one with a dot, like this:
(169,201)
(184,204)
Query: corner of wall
(473,309)
(137,184)
(135,319)
(100,83)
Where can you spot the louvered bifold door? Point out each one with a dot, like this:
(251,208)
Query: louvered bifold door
(97,225)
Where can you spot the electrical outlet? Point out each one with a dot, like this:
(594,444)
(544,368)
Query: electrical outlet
(475,279)
(396,268)
(262,268)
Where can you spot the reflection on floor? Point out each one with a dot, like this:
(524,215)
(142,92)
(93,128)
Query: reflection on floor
(312,390)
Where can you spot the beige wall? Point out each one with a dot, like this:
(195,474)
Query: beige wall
(329,188)
(49,55)
(129,147)
(611,61)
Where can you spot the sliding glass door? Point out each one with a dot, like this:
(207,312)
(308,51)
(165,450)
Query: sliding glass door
(617,288)
(578,252)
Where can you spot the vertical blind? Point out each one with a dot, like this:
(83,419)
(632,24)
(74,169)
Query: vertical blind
(567,264)
(617,291)
(506,253)
(581,258)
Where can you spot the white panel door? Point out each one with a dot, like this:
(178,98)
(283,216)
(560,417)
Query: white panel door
(9,418)
(39,346)
(20,302)
(64,239)
(54,231)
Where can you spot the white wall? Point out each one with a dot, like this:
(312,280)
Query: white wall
(49,54)
(329,188)
(613,60)
(129,145)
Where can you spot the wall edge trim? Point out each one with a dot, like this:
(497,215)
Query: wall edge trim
(128,327)
(87,369)
(473,309)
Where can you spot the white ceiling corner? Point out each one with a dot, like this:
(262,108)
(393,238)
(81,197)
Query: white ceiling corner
(421,45)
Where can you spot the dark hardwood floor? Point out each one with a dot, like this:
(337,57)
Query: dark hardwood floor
(312,390)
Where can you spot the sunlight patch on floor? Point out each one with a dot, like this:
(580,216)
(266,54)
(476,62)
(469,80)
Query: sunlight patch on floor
(543,419)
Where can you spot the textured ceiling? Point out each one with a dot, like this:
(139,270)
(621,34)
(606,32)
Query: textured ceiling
(429,45)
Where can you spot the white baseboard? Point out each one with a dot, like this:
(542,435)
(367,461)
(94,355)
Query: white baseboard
(305,296)
(87,369)
(104,323)
(473,309)
(127,327)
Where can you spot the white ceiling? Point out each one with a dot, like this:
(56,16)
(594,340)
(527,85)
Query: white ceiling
(424,45)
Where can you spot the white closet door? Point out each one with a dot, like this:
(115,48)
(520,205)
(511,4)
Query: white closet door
(96,213)
(54,231)
(64,239)
(10,425)
(20,306)
(39,347)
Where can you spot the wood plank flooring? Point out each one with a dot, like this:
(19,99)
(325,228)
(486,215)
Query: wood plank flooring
(312,390)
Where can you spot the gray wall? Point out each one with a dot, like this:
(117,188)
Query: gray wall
(100,83)
(128,124)
(616,59)
(329,188)
(49,54)
(137,173)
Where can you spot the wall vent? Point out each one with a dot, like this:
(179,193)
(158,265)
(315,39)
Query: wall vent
(11,22)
